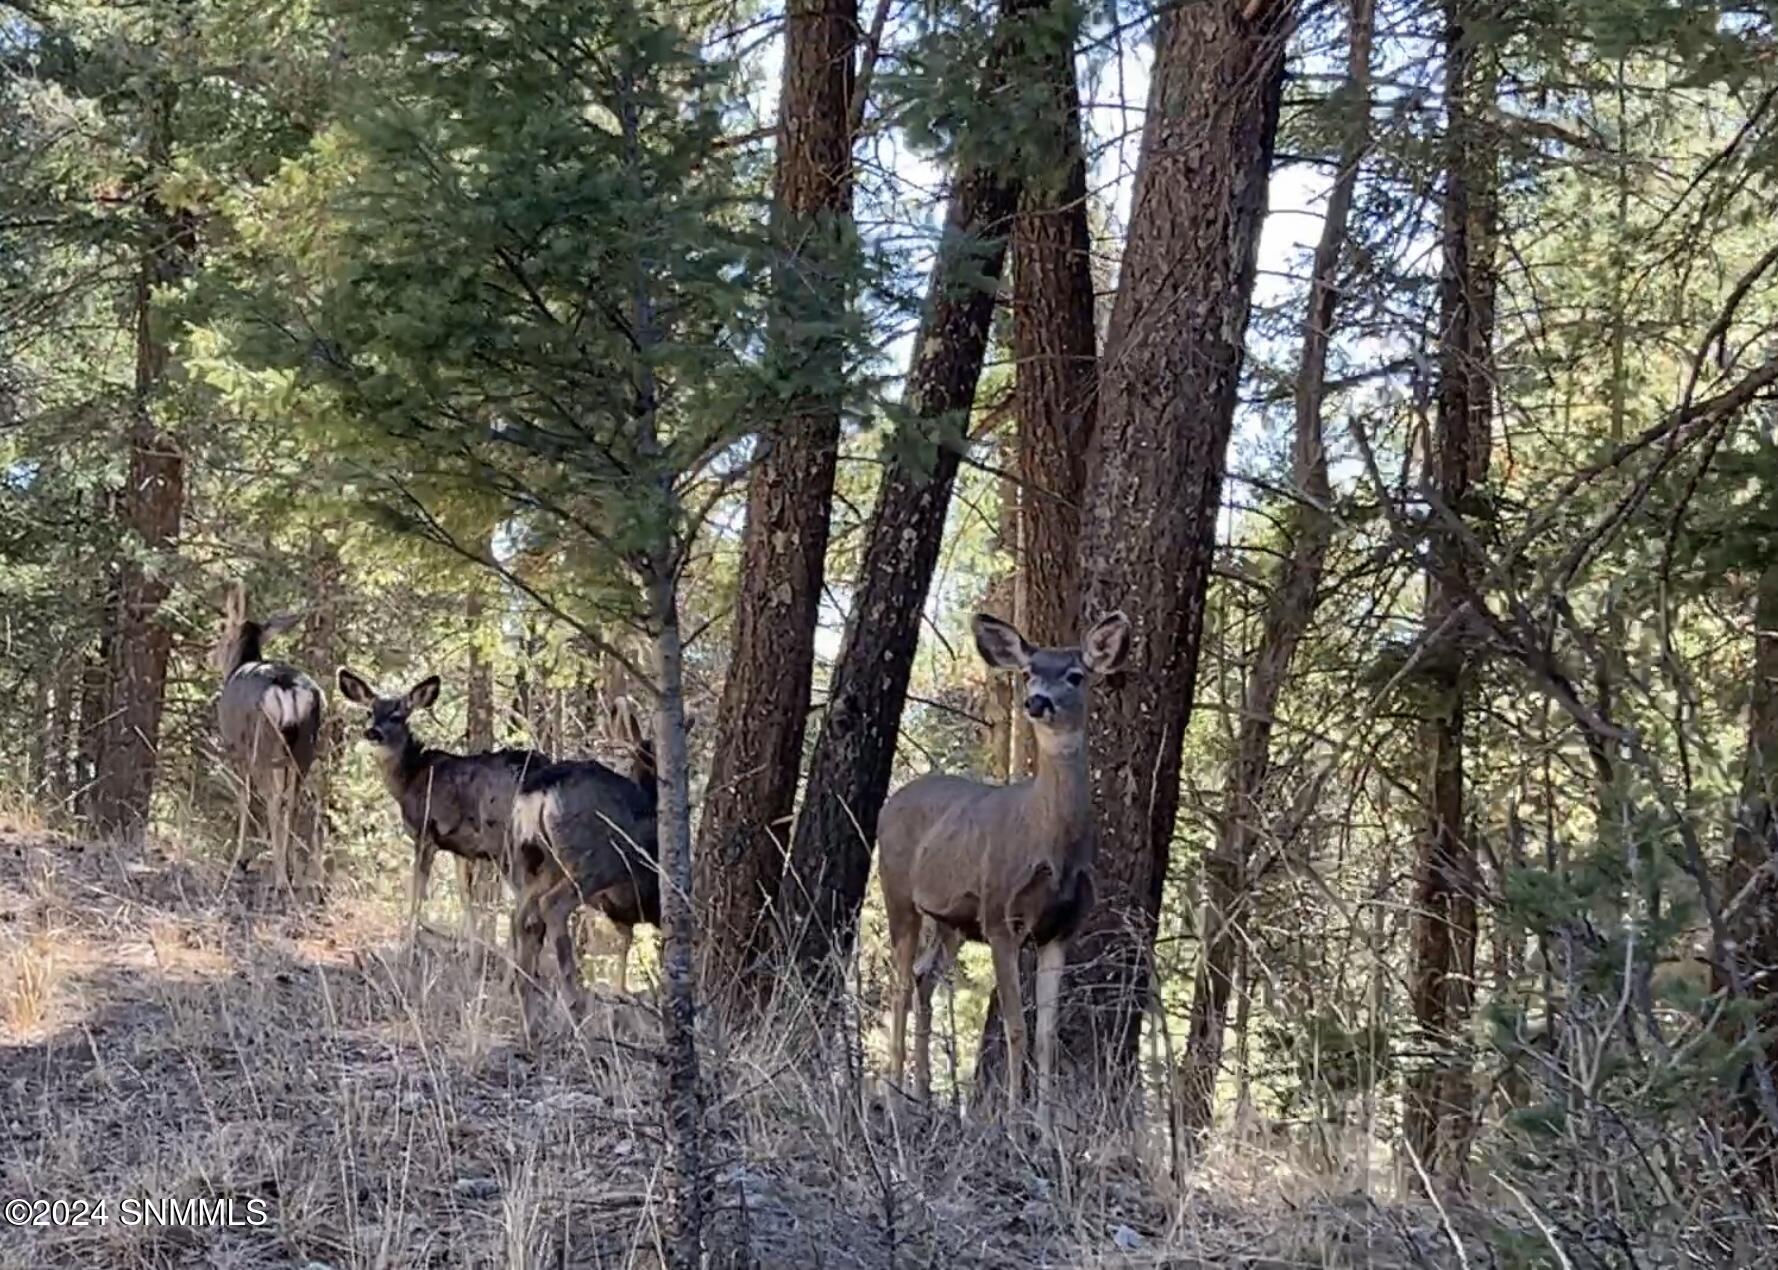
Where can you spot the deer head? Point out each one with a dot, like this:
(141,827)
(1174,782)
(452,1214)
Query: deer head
(1057,680)
(243,639)
(387,728)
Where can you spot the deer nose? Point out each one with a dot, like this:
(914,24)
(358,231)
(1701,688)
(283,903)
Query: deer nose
(371,734)
(1037,705)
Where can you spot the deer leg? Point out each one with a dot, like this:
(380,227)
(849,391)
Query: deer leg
(626,935)
(424,849)
(469,923)
(241,825)
(905,935)
(527,946)
(1052,960)
(558,908)
(278,826)
(928,970)
(1012,1014)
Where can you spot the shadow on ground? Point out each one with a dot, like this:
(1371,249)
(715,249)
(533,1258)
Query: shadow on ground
(345,1103)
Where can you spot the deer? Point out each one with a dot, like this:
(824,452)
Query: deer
(460,803)
(584,834)
(1000,864)
(269,714)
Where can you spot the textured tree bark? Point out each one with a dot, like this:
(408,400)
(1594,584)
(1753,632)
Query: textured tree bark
(321,657)
(855,748)
(1054,348)
(478,734)
(1166,400)
(1444,938)
(480,879)
(765,699)
(150,505)
(1289,610)
(1750,883)
(64,744)
(1054,377)
(684,1093)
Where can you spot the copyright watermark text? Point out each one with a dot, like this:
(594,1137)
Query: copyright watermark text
(210,1212)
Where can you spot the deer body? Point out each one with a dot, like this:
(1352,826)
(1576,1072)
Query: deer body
(458,803)
(584,834)
(1000,864)
(269,715)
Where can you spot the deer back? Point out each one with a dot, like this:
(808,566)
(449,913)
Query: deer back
(584,821)
(464,801)
(974,855)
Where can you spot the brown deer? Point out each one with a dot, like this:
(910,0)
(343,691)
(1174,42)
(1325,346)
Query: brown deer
(270,718)
(1000,863)
(584,834)
(461,803)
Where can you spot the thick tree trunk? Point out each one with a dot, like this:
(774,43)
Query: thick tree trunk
(855,749)
(1166,401)
(1053,347)
(151,503)
(765,699)
(1288,613)
(1438,1095)
(1054,350)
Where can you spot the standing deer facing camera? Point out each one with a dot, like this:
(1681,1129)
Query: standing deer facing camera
(270,716)
(1000,863)
(460,802)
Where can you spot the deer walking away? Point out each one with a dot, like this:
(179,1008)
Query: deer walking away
(269,714)
(584,834)
(1000,864)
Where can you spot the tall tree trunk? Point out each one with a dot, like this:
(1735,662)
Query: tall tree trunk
(1750,886)
(478,733)
(1443,982)
(1166,402)
(480,878)
(1289,610)
(997,687)
(1054,378)
(1053,345)
(855,749)
(95,705)
(322,655)
(684,1094)
(765,698)
(151,504)
(64,743)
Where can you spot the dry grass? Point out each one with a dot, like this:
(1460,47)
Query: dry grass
(379,1109)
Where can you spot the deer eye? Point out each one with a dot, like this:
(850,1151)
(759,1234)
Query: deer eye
(1076,678)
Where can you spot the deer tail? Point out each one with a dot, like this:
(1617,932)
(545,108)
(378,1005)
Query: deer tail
(530,817)
(291,710)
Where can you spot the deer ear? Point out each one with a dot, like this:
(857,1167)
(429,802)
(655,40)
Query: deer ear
(423,693)
(355,690)
(999,643)
(1105,647)
(281,623)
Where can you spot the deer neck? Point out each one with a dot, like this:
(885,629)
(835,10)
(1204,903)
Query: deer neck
(1060,792)
(243,650)
(400,767)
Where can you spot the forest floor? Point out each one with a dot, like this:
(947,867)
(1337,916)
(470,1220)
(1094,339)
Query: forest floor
(362,1105)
